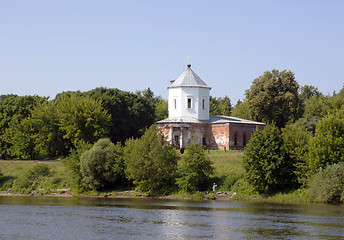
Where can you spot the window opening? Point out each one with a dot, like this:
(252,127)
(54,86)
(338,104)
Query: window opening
(235,139)
(176,141)
(204,141)
(189,103)
(244,140)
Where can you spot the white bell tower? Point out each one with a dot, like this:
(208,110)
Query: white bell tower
(188,96)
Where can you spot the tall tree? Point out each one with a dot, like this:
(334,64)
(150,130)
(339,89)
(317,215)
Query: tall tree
(327,146)
(82,119)
(130,113)
(220,106)
(267,165)
(241,110)
(13,109)
(150,162)
(295,142)
(195,169)
(273,97)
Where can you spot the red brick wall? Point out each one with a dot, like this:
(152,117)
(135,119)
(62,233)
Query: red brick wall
(217,136)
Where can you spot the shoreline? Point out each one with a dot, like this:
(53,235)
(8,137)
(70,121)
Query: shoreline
(130,194)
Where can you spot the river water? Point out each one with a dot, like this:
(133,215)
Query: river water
(102,218)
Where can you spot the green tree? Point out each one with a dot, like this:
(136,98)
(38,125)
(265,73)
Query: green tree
(295,142)
(150,162)
(308,91)
(220,106)
(195,169)
(130,113)
(82,119)
(267,165)
(327,146)
(13,109)
(241,110)
(273,97)
(96,165)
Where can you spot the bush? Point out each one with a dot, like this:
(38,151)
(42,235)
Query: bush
(96,165)
(32,178)
(268,167)
(195,170)
(328,184)
(230,180)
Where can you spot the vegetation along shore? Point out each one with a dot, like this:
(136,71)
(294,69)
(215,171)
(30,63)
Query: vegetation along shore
(104,143)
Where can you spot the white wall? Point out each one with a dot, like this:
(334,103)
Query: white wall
(179,96)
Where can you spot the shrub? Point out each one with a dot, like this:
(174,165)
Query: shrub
(96,165)
(268,167)
(151,162)
(31,178)
(328,184)
(195,170)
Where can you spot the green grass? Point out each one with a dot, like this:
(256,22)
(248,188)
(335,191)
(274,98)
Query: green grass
(12,170)
(226,162)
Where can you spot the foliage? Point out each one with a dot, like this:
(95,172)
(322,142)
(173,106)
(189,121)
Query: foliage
(241,110)
(308,91)
(150,162)
(230,180)
(130,113)
(326,147)
(328,184)
(268,167)
(13,109)
(194,170)
(295,142)
(82,118)
(31,178)
(273,97)
(96,165)
(220,106)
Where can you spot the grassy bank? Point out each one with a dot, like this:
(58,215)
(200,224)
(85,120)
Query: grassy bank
(228,175)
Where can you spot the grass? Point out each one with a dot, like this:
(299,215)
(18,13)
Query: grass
(12,170)
(226,162)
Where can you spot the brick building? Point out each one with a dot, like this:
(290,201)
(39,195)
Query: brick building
(188,117)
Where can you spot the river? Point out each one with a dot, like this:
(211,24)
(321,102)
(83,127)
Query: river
(103,218)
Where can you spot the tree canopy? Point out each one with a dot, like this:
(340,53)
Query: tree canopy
(273,97)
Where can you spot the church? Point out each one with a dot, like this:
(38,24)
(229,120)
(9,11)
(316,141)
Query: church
(188,118)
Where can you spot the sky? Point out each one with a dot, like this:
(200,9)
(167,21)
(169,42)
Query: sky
(49,47)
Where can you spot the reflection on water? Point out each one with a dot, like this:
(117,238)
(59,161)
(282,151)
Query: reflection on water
(101,218)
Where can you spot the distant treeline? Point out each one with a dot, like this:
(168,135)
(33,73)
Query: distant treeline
(34,127)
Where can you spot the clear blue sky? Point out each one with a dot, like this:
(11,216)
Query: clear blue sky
(47,47)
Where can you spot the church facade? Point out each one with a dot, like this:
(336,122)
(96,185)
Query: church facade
(189,120)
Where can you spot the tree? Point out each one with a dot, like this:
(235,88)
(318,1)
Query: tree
(150,162)
(327,146)
(241,110)
(82,119)
(273,97)
(267,165)
(96,165)
(195,169)
(295,142)
(220,106)
(308,91)
(130,113)
(13,109)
